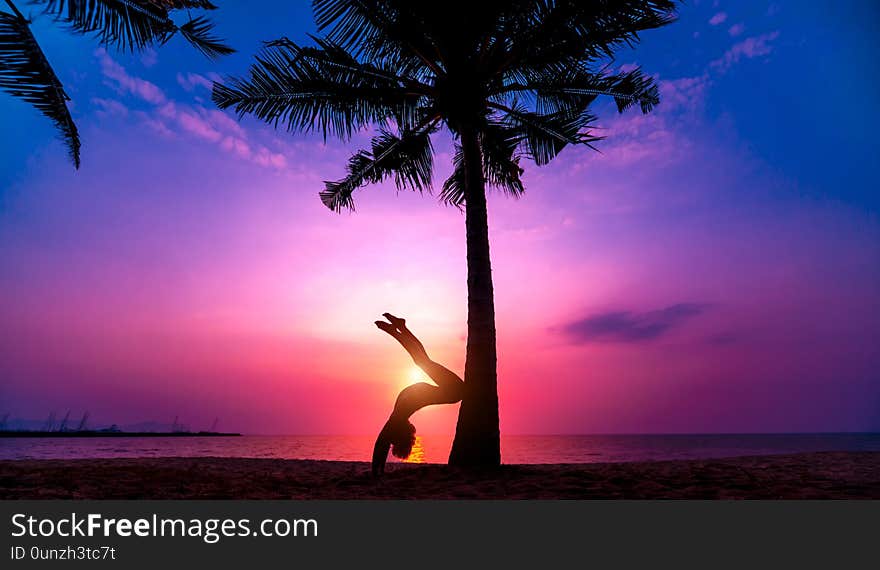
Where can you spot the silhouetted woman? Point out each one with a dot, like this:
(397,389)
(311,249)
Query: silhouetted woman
(398,433)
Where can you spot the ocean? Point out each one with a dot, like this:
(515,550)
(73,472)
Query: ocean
(435,449)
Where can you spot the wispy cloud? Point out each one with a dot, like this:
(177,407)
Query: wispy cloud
(170,118)
(190,81)
(736,29)
(659,137)
(631,327)
(749,48)
(122,82)
(684,93)
(635,138)
(718,18)
(110,107)
(149,57)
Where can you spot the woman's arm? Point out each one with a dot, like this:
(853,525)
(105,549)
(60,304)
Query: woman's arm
(380,451)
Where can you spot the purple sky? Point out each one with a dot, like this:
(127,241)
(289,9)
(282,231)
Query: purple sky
(715,268)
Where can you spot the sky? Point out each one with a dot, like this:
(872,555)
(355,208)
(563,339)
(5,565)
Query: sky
(715,268)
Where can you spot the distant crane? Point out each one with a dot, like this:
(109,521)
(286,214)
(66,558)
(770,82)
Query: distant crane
(3,421)
(214,425)
(82,422)
(63,426)
(178,427)
(50,422)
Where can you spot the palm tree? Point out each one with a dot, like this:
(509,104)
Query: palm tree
(509,79)
(128,25)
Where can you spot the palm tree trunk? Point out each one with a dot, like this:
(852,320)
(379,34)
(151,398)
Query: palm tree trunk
(476,434)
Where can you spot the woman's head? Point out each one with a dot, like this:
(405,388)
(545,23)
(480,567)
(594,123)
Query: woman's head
(403,437)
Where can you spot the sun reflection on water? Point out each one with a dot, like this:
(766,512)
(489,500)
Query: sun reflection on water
(418,452)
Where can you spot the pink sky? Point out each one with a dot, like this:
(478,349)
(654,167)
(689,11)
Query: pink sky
(681,281)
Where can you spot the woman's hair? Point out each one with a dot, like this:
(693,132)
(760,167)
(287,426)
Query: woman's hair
(403,437)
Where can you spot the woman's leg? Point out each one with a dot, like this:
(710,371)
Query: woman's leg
(447,380)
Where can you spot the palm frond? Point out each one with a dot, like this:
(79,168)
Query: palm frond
(541,34)
(627,89)
(409,158)
(132,25)
(381,30)
(501,166)
(185,4)
(543,136)
(125,25)
(393,72)
(529,63)
(312,89)
(26,73)
(198,32)
(575,90)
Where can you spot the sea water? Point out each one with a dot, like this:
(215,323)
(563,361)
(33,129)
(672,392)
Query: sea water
(435,448)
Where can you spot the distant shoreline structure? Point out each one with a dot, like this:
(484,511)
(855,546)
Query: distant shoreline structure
(109,433)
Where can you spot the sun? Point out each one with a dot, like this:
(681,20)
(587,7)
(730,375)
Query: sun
(415,374)
(410,376)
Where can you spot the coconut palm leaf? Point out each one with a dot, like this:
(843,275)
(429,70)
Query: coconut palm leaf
(126,24)
(131,25)
(539,34)
(185,4)
(408,158)
(544,135)
(391,63)
(501,165)
(198,32)
(25,73)
(577,90)
(382,30)
(310,89)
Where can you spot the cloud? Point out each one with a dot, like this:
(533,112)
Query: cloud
(660,137)
(109,108)
(718,18)
(684,93)
(120,80)
(736,29)
(156,125)
(149,57)
(198,126)
(216,127)
(637,138)
(630,327)
(190,81)
(634,138)
(170,118)
(265,157)
(749,48)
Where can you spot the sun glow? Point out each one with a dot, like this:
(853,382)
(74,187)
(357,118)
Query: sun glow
(416,375)
(411,376)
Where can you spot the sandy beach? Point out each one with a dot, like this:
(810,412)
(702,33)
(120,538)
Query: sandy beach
(832,475)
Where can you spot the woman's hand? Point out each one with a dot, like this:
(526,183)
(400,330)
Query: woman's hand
(398,323)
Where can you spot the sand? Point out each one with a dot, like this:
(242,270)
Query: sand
(832,475)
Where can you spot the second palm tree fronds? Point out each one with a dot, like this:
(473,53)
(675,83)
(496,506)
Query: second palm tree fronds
(127,25)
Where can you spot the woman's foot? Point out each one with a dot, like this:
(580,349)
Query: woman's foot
(387,327)
(399,324)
